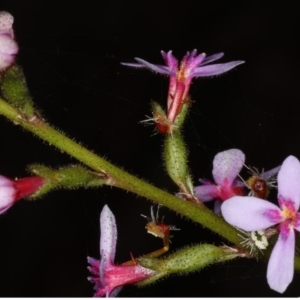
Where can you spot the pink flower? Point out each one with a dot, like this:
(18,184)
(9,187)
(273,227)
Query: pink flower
(253,214)
(14,190)
(8,46)
(192,65)
(226,167)
(109,278)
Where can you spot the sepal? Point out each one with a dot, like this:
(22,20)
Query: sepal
(175,155)
(70,177)
(14,90)
(187,260)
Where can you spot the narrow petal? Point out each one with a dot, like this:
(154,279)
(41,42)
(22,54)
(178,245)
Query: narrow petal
(144,64)
(211,58)
(114,292)
(249,213)
(108,230)
(216,69)
(288,180)
(227,165)
(193,62)
(268,174)
(281,263)
(170,60)
(206,192)
(217,207)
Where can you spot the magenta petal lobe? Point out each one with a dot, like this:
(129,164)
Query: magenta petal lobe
(248,213)
(281,263)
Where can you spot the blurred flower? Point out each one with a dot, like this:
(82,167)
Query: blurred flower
(226,167)
(192,65)
(8,46)
(253,214)
(14,190)
(109,278)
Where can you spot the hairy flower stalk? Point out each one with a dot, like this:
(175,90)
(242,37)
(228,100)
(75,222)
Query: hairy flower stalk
(187,260)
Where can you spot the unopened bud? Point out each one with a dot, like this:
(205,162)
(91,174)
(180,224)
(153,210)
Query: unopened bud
(14,190)
(187,260)
(175,155)
(70,177)
(8,46)
(15,91)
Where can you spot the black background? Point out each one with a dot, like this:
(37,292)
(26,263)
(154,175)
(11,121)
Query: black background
(71,54)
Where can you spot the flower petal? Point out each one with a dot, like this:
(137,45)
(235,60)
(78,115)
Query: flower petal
(288,180)
(281,263)
(268,174)
(206,192)
(114,292)
(216,69)
(217,207)
(248,213)
(193,61)
(170,60)
(211,58)
(8,50)
(227,165)
(7,194)
(108,230)
(6,20)
(144,64)
(108,241)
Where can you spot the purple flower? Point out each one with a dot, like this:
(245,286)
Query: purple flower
(108,277)
(226,167)
(8,46)
(192,65)
(253,214)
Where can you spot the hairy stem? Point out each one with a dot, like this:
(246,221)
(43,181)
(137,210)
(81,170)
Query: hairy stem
(119,177)
(122,179)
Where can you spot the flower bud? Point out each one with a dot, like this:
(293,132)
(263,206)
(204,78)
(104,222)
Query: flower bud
(187,260)
(175,155)
(8,46)
(69,177)
(14,90)
(14,190)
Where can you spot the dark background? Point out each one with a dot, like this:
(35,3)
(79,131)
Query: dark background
(71,54)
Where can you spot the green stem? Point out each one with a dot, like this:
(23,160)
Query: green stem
(122,179)
(119,177)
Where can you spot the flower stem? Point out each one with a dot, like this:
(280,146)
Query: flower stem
(119,177)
